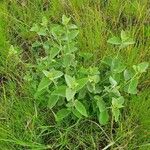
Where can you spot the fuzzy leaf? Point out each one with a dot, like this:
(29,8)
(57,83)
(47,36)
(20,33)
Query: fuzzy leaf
(128,74)
(132,89)
(57,31)
(100,103)
(68,60)
(117,66)
(53,99)
(70,80)
(36,44)
(114,40)
(116,92)
(82,93)
(107,60)
(53,74)
(103,117)
(81,83)
(142,67)
(44,21)
(81,108)
(86,55)
(60,91)
(94,78)
(35,28)
(54,51)
(45,82)
(116,113)
(124,35)
(46,46)
(117,102)
(70,94)
(76,113)
(130,41)
(65,20)
(57,74)
(112,81)
(61,114)
(42,31)
(73,26)
(73,34)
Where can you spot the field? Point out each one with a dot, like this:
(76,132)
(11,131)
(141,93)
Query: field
(74,74)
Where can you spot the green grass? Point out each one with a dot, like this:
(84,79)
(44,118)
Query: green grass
(28,124)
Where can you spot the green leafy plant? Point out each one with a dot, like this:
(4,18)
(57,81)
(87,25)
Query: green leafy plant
(71,89)
(123,41)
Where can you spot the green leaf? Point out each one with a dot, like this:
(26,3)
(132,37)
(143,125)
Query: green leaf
(126,40)
(107,60)
(97,89)
(36,44)
(60,91)
(44,21)
(70,94)
(54,51)
(61,102)
(42,31)
(112,81)
(76,113)
(73,34)
(12,51)
(124,35)
(103,117)
(132,89)
(68,60)
(86,55)
(70,80)
(129,41)
(53,99)
(128,74)
(142,67)
(121,100)
(70,104)
(116,92)
(114,40)
(73,26)
(65,20)
(117,102)
(46,46)
(71,49)
(81,83)
(117,77)
(47,73)
(116,113)
(53,74)
(94,78)
(61,114)
(135,67)
(57,74)
(57,31)
(94,71)
(45,82)
(80,108)
(82,93)
(35,28)
(91,87)
(117,66)
(100,103)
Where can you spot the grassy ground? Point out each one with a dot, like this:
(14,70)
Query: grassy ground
(27,124)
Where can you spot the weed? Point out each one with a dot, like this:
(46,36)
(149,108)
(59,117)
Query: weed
(32,114)
(77,90)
